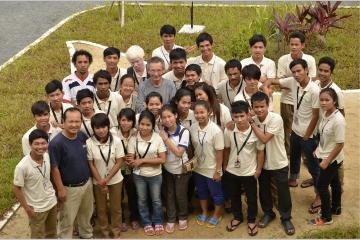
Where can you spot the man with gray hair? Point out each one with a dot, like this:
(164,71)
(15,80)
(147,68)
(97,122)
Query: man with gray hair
(135,56)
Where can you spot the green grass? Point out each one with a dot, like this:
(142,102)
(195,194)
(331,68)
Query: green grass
(22,82)
(339,232)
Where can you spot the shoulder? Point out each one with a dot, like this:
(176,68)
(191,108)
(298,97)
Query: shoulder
(336,87)
(214,128)
(156,50)
(222,84)
(275,118)
(82,137)
(283,58)
(68,79)
(67,105)
(23,162)
(58,139)
(116,140)
(219,60)
(308,57)
(269,61)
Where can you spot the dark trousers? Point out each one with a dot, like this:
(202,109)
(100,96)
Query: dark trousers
(130,188)
(329,176)
(250,185)
(280,177)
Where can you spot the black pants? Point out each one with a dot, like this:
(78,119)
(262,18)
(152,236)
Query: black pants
(250,185)
(280,177)
(130,188)
(329,176)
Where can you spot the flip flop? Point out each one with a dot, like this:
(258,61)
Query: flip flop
(201,219)
(233,226)
(314,209)
(252,230)
(307,183)
(293,185)
(149,230)
(265,220)
(213,222)
(288,227)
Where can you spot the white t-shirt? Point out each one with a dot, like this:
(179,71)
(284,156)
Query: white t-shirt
(171,76)
(115,80)
(226,93)
(244,96)
(206,142)
(244,163)
(86,124)
(56,117)
(163,54)
(332,131)
(189,120)
(338,91)
(72,84)
(34,179)
(267,66)
(225,116)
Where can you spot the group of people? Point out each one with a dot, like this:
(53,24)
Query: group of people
(172,128)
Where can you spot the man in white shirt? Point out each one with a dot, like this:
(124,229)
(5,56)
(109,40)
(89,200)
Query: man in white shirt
(111,59)
(212,66)
(178,64)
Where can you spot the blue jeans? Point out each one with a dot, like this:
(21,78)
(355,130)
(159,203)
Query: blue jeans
(153,185)
(298,144)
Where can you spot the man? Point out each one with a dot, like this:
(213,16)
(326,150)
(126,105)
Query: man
(111,59)
(155,83)
(71,175)
(212,66)
(80,79)
(178,64)
(135,55)
(227,90)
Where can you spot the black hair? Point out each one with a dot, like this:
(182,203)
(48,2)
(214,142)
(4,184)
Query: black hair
(298,35)
(84,93)
(258,97)
(171,108)
(126,76)
(332,93)
(203,103)
(240,107)
(100,120)
(151,95)
(167,29)
(194,67)
(177,54)
(72,109)
(52,86)
(182,92)
(102,74)
(81,53)
(40,107)
(329,61)
(213,101)
(257,38)
(37,133)
(129,114)
(111,51)
(149,115)
(233,63)
(251,71)
(300,61)
(204,37)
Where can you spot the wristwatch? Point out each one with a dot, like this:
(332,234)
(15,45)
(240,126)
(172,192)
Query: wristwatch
(251,121)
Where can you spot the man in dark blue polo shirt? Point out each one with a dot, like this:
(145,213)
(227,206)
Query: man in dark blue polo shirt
(71,174)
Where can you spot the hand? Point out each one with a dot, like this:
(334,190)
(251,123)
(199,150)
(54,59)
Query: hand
(190,49)
(137,162)
(102,182)
(62,194)
(252,113)
(257,173)
(306,137)
(324,164)
(163,135)
(207,82)
(30,211)
(129,158)
(216,177)
(104,189)
(230,125)
(263,79)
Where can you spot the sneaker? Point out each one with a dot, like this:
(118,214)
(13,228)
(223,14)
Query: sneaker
(320,221)
(183,224)
(170,227)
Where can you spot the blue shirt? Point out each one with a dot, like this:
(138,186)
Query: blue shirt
(70,156)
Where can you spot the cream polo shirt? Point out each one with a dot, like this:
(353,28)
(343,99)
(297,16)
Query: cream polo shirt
(337,90)
(125,143)
(206,142)
(34,179)
(303,113)
(226,93)
(247,156)
(189,120)
(212,71)
(117,103)
(276,157)
(86,124)
(131,103)
(163,54)
(284,72)
(267,66)
(171,76)
(93,154)
(332,131)
(225,116)
(56,116)
(25,139)
(72,84)
(157,146)
(157,121)
(244,96)
(115,80)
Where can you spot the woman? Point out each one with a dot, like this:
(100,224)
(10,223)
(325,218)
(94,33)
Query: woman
(182,103)
(127,91)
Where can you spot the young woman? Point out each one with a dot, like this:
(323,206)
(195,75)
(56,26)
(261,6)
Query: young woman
(219,113)
(153,103)
(105,155)
(192,76)
(147,153)
(182,103)
(127,91)
(208,141)
(126,131)
(176,139)
(330,155)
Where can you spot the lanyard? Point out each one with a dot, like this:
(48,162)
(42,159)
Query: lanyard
(164,55)
(97,103)
(125,149)
(244,143)
(136,79)
(86,128)
(146,151)
(42,174)
(298,103)
(324,125)
(202,140)
(117,80)
(227,91)
(109,152)
(62,114)
(243,92)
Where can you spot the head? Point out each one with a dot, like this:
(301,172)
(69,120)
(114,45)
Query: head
(233,71)
(127,85)
(205,92)
(192,74)
(204,43)
(178,60)
(82,60)
(251,74)
(168,116)
(85,101)
(257,45)
(240,113)
(156,68)
(326,67)
(328,99)
(41,113)
(260,104)
(146,123)
(100,124)
(299,69)
(72,120)
(202,111)
(296,42)
(153,103)
(167,34)
(38,140)
(54,92)
(102,80)
(126,119)
(135,55)
(182,101)
(111,57)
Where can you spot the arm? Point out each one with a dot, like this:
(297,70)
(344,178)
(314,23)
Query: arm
(325,162)
(219,160)
(260,162)
(140,98)
(312,124)
(95,173)
(226,157)
(56,177)
(263,137)
(20,197)
(178,151)
(114,169)
(149,161)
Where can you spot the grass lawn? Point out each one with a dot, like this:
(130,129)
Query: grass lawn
(340,232)
(22,82)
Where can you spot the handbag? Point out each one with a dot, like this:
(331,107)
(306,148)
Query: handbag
(192,163)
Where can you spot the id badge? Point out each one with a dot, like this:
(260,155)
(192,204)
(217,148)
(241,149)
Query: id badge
(237,162)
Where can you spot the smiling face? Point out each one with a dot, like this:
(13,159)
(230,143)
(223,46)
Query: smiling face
(201,114)
(72,122)
(200,94)
(324,73)
(156,71)
(56,97)
(184,105)
(154,106)
(127,87)
(145,127)
(251,84)
(42,120)
(168,119)
(205,48)
(191,77)
(178,66)
(111,61)
(125,124)
(260,108)
(39,146)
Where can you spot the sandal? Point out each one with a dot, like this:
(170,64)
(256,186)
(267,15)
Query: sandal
(183,224)
(252,231)
(201,219)
(314,209)
(232,225)
(292,183)
(159,229)
(320,221)
(170,227)
(265,220)
(149,230)
(288,227)
(307,183)
(213,222)
(124,227)
(135,225)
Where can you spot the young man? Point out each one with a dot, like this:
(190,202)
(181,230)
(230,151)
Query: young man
(178,64)
(111,59)
(41,113)
(80,79)
(268,127)
(33,188)
(71,175)
(227,90)
(135,55)
(296,44)
(243,161)
(212,66)
(105,100)
(55,95)
(155,83)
